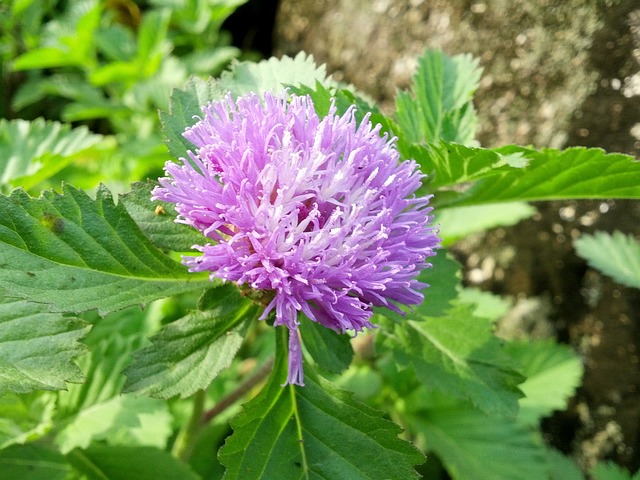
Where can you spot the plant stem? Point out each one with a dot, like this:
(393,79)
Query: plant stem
(183,446)
(239,392)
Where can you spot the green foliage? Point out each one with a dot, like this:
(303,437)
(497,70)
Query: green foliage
(188,354)
(553,373)
(75,269)
(115,65)
(75,254)
(289,432)
(100,462)
(37,348)
(458,355)
(439,106)
(32,152)
(459,222)
(611,471)
(157,220)
(330,350)
(616,255)
(33,462)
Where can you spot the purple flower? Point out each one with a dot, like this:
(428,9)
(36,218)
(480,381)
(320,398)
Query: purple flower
(320,213)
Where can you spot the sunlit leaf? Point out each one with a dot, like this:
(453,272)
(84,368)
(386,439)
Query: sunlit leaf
(37,348)
(157,220)
(439,105)
(474,445)
(459,222)
(116,462)
(553,373)
(316,431)
(188,354)
(558,174)
(272,74)
(122,420)
(458,354)
(77,254)
(611,471)
(616,255)
(31,152)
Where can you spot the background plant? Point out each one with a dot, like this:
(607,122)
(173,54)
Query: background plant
(161,386)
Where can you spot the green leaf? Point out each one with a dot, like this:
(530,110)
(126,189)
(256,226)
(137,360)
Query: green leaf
(611,471)
(77,254)
(68,41)
(458,354)
(553,174)
(316,431)
(272,74)
(475,446)
(459,222)
(33,462)
(157,220)
(330,350)
(188,353)
(184,106)
(111,343)
(449,164)
(439,106)
(37,348)
(561,467)
(243,77)
(104,462)
(31,152)
(616,255)
(122,420)
(443,279)
(25,417)
(553,373)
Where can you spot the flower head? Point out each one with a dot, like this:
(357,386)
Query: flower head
(319,212)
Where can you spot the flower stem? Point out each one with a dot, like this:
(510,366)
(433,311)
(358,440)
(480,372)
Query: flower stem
(186,440)
(239,392)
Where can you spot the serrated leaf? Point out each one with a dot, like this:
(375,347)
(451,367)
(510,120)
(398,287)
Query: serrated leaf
(558,174)
(449,164)
(183,107)
(187,354)
(616,255)
(330,350)
(33,462)
(157,220)
(322,96)
(75,254)
(458,222)
(243,77)
(103,367)
(439,105)
(561,467)
(458,354)
(31,152)
(475,446)
(37,348)
(25,417)
(443,279)
(486,304)
(105,462)
(317,431)
(272,74)
(553,373)
(122,420)
(611,471)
